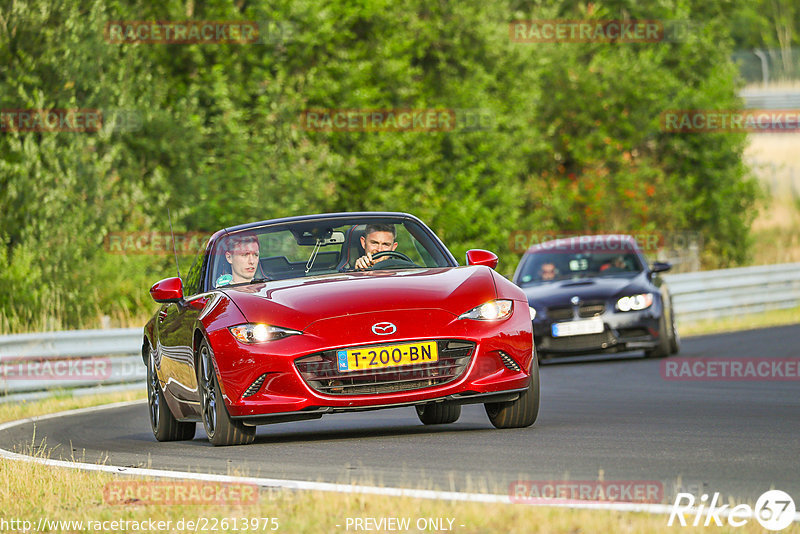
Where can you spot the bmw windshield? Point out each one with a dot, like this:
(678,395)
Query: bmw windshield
(551,265)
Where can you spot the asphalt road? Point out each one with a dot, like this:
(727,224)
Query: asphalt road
(616,417)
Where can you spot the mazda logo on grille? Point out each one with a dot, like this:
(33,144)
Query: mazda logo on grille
(575,300)
(383,329)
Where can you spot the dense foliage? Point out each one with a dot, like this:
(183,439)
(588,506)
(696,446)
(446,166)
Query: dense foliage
(212,131)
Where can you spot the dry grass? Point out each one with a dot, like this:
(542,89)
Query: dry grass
(779,85)
(30,492)
(11,411)
(52,320)
(740,322)
(775,159)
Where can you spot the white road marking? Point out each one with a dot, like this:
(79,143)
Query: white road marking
(302,485)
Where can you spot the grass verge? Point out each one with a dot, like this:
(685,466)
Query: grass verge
(740,322)
(44,496)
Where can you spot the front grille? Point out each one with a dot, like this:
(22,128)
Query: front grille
(591,309)
(586,309)
(321,372)
(560,314)
(585,342)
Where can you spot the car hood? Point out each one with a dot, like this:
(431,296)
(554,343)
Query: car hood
(297,302)
(560,292)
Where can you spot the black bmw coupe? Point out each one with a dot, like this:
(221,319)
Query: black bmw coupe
(597,294)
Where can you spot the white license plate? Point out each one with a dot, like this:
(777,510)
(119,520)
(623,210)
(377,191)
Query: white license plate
(578,328)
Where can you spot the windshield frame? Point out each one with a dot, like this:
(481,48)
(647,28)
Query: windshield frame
(335,220)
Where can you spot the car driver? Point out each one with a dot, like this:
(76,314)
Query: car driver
(241,252)
(376,238)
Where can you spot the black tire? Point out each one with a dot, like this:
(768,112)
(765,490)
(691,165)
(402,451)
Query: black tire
(165,426)
(522,412)
(220,428)
(438,413)
(663,348)
(674,337)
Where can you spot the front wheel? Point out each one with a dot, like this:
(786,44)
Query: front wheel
(165,426)
(675,337)
(438,413)
(663,348)
(219,427)
(519,413)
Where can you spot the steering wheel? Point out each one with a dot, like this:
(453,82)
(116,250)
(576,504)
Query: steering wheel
(394,260)
(398,255)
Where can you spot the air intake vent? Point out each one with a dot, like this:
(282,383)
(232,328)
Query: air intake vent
(509,362)
(255,386)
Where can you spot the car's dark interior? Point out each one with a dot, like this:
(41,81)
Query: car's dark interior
(352,249)
(327,258)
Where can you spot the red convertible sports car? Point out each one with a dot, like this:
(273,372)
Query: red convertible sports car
(294,318)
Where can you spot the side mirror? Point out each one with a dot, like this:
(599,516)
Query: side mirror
(167,290)
(660,267)
(477,256)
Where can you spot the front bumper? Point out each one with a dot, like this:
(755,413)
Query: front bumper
(622,332)
(316,412)
(284,395)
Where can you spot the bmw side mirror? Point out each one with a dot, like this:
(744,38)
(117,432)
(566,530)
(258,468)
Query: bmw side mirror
(478,256)
(660,267)
(167,290)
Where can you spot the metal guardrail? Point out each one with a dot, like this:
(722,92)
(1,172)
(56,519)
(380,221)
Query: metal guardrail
(771,98)
(728,292)
(87,361)
(67,360)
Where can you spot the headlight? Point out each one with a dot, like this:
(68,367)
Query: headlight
(533,312)
(490,311)
(259,332)
(635,302)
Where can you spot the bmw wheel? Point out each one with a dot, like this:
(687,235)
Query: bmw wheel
(675,337)
(662,350)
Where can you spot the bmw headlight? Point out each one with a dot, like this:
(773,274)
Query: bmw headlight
(490,311)
(635,302)
(260,332)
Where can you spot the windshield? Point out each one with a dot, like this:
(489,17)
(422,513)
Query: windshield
(318,247)
(542,267)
